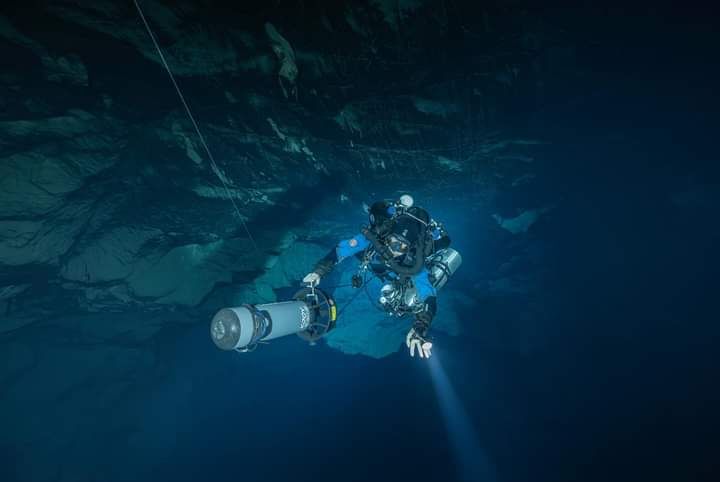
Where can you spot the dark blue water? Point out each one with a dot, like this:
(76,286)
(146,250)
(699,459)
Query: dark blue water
(617,379)
(604,368)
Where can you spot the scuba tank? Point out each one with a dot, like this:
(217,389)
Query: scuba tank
(400,296)
(442,265)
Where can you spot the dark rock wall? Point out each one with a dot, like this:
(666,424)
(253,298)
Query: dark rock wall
(105,181)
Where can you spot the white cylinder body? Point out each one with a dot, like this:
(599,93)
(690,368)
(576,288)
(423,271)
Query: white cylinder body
(443,265)
(237,327)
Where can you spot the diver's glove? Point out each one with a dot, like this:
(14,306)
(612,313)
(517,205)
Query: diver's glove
(311,279)
(415,340)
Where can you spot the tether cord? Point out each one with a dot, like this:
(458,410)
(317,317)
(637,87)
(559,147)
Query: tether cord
(214,165)
(340,312)
(364,289)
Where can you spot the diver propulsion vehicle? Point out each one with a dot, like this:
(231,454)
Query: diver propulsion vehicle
(312,313)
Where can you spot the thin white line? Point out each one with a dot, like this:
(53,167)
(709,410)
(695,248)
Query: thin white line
(216,170)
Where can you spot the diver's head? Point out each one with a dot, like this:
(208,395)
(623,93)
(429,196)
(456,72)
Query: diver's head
(383,211)
(379,213)
(403,234)
(397,245)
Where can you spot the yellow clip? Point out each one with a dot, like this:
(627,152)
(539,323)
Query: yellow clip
(333,313)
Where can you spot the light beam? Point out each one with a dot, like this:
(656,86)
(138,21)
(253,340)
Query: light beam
(471,460)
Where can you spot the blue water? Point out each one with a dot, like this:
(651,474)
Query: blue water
(615,381)
(605,368)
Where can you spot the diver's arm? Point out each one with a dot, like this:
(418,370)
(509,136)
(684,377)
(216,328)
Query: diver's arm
(342,250)
(416,339)
(424,318)
(326,264)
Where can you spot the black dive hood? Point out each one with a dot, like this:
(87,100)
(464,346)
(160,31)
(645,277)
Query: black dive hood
(404,220)
(399,268)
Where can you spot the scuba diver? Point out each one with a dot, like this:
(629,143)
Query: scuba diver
(408,251)
(402,246)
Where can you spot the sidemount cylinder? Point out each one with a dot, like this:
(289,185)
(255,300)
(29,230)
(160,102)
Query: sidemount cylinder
(442,265)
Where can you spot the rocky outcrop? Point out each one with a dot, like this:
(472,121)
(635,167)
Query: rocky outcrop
(52,159)
(288,72)
(192,50)
(65,69)
(522,222)
(123,209)
(68,69)
(395,13)
(63,153)
(27,242)
(109,258)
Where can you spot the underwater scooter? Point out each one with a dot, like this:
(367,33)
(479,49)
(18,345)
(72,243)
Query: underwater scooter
(311,314)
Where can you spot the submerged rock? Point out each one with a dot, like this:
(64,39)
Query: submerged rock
(436,108)
(10,291)
(349,121)
(65,69)
(68,126)
(42,241)
(54,157)
(109,258)
(58,68)
(522,222)
(288,72)
(284,270)
(395,11)
(184,275)
(192,49)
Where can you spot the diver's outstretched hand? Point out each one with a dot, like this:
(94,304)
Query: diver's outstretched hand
(414,341)
(311,279)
